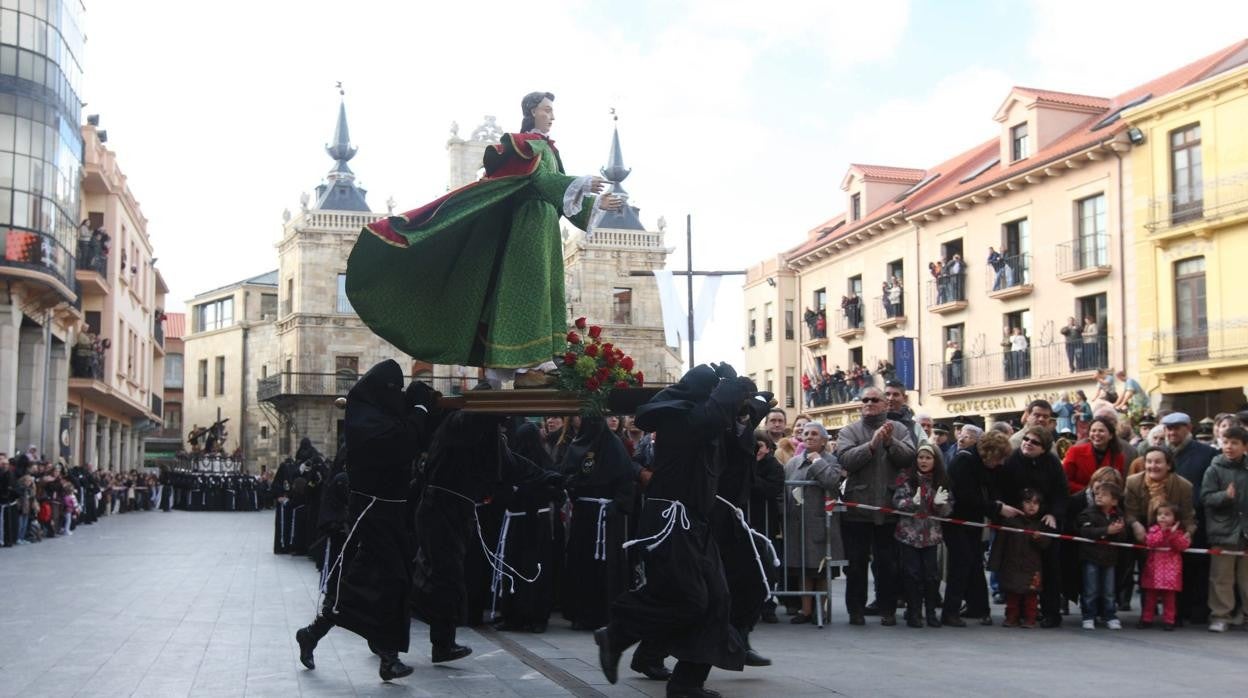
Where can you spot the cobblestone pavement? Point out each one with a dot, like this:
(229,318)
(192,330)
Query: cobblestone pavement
(196,604)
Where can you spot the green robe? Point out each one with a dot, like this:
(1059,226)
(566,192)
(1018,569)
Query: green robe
(476,277)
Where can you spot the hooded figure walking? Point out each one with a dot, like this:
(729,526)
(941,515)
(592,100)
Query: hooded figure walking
(681,600)
(366,590)
(468,461)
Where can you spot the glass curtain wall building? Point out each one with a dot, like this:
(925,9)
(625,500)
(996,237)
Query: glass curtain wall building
(41,48)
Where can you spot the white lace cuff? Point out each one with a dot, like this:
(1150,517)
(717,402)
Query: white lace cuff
(574,195)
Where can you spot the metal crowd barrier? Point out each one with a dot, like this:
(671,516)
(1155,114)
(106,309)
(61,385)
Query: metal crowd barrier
(791,584)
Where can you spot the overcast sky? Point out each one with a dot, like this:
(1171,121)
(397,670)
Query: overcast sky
(743,114)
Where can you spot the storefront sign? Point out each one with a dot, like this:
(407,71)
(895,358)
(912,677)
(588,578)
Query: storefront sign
(1003,403)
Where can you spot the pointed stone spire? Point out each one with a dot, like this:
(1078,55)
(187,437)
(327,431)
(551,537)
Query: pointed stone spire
(340,192)
(615,172)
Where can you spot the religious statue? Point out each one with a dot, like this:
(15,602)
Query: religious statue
(476,277)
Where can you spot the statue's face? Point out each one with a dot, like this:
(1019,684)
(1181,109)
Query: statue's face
(544,115)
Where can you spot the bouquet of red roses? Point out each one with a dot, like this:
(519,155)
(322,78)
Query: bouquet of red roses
(591,368)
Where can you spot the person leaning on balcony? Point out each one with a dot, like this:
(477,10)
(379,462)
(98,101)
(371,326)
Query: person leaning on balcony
(1133,398)
(1091,355)
(1074,337)
(873,451)
(895,298)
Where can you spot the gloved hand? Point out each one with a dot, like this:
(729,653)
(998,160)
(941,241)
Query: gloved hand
(420,394)
(918,497)
(303,467)
(746,384)
(725,371)
(941,497)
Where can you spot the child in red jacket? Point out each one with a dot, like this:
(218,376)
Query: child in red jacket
(1163,571)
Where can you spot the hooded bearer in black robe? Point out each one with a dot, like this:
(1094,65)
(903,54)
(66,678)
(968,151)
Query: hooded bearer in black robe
(532,535)
(681,600)
(367,588)
(283,508)
(468,461)
(600,482)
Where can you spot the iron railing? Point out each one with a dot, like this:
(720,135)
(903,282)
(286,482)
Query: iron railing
(883,310)
(41,252)
(1011,272)
(1049,361)
(158,406)
(1081,254)
(1225,340)
(1211,199)
(850,317)
(948,288)
(92,256)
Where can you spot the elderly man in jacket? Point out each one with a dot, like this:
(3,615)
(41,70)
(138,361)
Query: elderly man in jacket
(1191,460)
(873,450)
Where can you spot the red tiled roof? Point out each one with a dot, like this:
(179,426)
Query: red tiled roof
(908,175)
(948,186)
(1066,98)
(175,325)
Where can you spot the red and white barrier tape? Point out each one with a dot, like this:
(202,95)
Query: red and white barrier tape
(831,504)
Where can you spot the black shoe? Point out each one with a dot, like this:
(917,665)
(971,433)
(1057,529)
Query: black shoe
(933,621)
(450,653)
(1051,622)
(307,644)
(654,672)
(953,621)
(800,618)
(1167,627)
(769,616)
(608,659)
(871,609)
(986,620)
(914,622)
(391,668)
(753,658)
(857,619)
(690,692)
(890,619)
(539,627)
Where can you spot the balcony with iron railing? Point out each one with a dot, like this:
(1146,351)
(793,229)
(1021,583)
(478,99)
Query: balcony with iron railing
(38,257)
(1083,258)
(1043,363)
(889,313)
(92,269)
(1209,343)
(849,320)
(1210,203)
(812,334)
(947,293)
(1011,277)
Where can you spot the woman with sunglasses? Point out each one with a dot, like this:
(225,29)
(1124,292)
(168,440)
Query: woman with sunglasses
(1032,466)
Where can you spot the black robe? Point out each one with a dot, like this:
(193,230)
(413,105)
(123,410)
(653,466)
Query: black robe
(283,511)
(368,593)
(468,462)
(599,478)
(747,583)
(535,536)
(681,601)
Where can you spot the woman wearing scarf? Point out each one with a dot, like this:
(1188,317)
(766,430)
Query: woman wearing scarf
(599,478)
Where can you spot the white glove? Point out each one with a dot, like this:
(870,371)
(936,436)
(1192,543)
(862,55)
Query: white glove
(918,497)
(942,497)
(303,467)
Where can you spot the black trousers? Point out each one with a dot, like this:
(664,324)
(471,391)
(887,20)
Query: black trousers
(921,579)
(689,674)
(1051,594)
(965,579)
(868,545)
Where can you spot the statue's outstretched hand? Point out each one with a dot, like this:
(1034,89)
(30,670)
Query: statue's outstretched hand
(610,202)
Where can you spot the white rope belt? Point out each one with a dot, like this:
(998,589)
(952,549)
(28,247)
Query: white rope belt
(675,514)
(600,539)
(372,499)
(294,523)
(500,567)
(752,534)
(281,522)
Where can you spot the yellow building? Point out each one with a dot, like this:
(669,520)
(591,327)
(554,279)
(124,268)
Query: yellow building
(1190,179)
(772,320)
(1004,274)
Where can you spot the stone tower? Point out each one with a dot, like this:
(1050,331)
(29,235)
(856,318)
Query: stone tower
(600,286)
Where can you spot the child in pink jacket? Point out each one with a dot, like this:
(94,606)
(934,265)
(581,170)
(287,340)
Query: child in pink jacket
(1163,572)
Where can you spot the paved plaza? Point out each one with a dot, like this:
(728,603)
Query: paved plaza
(195,603)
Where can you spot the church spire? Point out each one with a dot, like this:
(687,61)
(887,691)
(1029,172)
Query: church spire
(615,172)
(339,192)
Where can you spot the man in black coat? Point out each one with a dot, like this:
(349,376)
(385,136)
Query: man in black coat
(766,506)
(681,601)
(367,588)
(973,484)
(1191,459)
